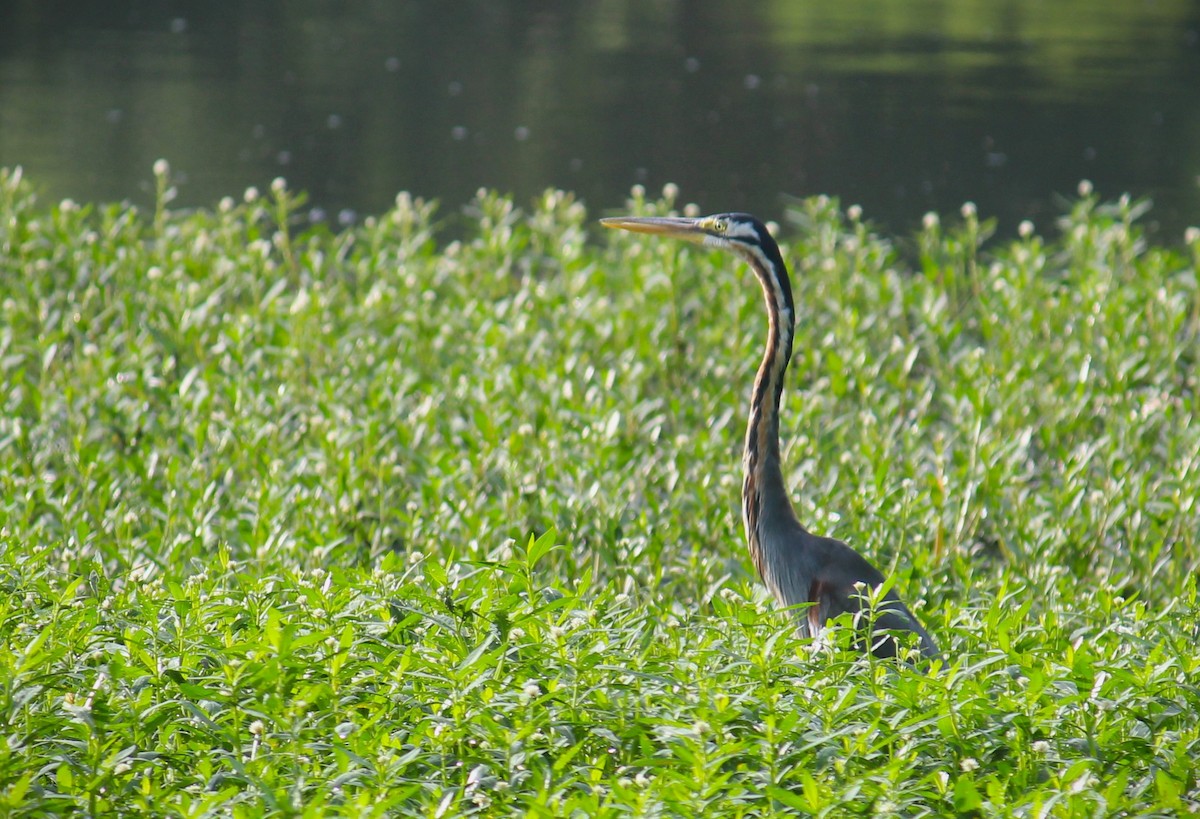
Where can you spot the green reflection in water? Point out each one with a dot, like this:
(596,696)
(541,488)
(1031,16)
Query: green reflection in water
(901,107)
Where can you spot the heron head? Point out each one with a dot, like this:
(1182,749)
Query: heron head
(732,231)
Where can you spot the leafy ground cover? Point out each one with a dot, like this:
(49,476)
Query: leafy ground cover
(384,522)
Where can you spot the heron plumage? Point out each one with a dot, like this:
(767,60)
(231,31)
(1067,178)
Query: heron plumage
(821,576)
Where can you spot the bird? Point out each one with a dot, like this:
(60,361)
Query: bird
(820,577)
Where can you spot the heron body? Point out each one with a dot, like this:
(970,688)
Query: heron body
(821,576)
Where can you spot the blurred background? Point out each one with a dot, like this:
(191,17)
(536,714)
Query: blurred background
(898,107)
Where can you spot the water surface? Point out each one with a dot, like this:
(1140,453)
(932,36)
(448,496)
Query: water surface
(898,107)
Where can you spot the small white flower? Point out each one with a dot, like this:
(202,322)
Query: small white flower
(531,690)
(251,195)
(701,727)
(1085,188)
(930,221)
(670,191)
(638,191)
(1192,235)
(969,764)
(516,633)
(854,213)
(691,210)
(1041,747)
(1025,229)
(278,185)
(968,210)
(161,167)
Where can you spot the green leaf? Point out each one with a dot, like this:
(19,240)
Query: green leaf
(15,795)
(1167,789)
(966,795)
(540,547)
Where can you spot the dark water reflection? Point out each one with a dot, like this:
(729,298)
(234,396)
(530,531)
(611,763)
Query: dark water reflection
(899,107)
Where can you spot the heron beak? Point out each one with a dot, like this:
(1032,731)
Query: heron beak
(690,230)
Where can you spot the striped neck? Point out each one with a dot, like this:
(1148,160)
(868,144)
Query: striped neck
(764,494)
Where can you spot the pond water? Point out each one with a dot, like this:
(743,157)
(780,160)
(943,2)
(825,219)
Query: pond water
(898,107)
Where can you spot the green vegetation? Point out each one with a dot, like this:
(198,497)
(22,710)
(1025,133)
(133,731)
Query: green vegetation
(377,522)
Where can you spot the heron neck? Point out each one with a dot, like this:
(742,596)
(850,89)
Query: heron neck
(765,501)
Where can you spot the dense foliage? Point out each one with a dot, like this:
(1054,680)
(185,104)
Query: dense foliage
(377,521)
